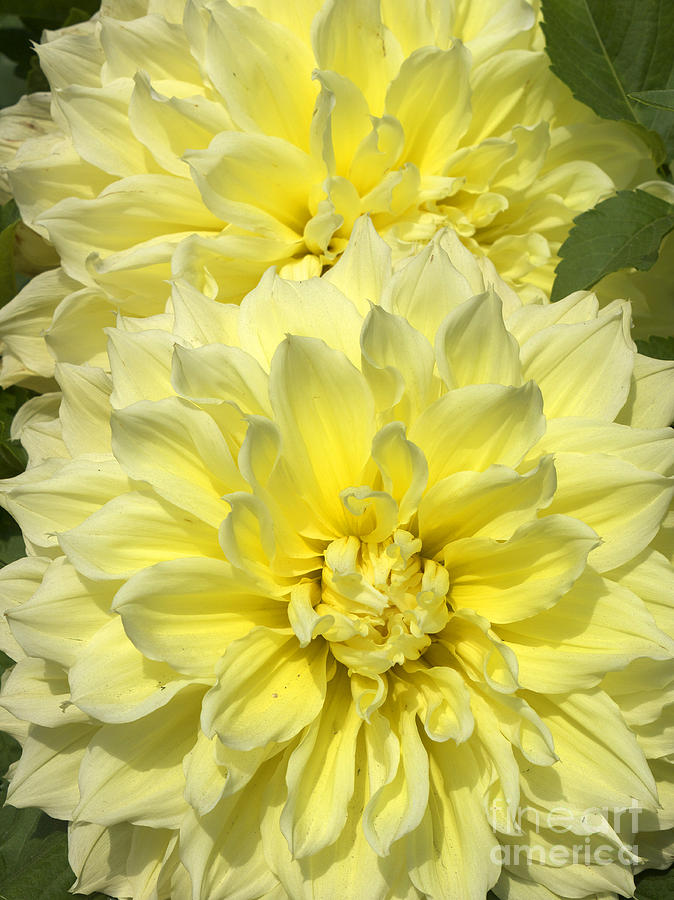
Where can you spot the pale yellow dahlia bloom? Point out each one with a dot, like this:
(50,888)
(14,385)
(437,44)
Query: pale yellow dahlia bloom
(221,138)
(360,589)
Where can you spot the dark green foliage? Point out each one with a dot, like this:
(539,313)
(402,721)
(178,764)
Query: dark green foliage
(657,347)
(605,50)
(623,231)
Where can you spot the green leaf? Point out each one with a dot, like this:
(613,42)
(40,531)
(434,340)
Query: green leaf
(625,230)
(657,347)
(605,50)
(655,885)
(51,10)
(7,275)
(9,213)
(13,457)
(656,99)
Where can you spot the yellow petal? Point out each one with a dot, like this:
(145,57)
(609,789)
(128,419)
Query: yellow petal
(119,780)
(419,98)
(204,599)
(320,775)
(474,347)
(134,531)
(512,580)
(268,689)
(325,413)
(491,504)
(488,424)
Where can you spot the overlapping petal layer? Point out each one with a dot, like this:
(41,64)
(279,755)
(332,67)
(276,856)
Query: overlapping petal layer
(208,140)
(342,592)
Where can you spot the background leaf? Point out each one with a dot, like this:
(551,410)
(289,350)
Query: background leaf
(605,50)
(657,99)
(623,231)
(657,347)
(655,885)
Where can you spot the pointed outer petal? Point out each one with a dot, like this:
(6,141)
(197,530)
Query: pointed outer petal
(430,97)
(320,774)
(99,857)
(200,320)
(18,582)
(451,853)
(403,468)
(261,70)
(65,611)
(473,427)
(325,413)
(217,372)
(157,210)
(141,366)
(647,449)
(426,289)
(135,531)
(160,47)
(49,499)
(76,332)
(516,579)
(656,739)
(472,345)
(44,170)
(24,319)
(623,504)
(74,56)
(484,657)
(643,690)
(133,772)
(347,868)
(46,773)
(36,691)
(186,612)
(364,268)
(348,37)
(398,803)
(180,452)
(444,701)
(221,849)
(530,319)
(205,777)
(113,682)
(268,689)
(583,369)
(490,504)
(600,762)
(388,342)
(85,410)
(98,122)
(36,424)
(595,628)
(278,307)
(347,123)
(167,126)
(650,403)
(651,577)
(257,182)
(522,727)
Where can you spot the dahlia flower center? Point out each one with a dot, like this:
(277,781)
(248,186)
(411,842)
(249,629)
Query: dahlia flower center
(380,601)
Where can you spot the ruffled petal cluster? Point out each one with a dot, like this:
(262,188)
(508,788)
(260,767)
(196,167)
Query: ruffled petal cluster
(208,140)
(361,588)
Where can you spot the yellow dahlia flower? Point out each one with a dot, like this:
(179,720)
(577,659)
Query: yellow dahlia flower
(360,589)
(208,140)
